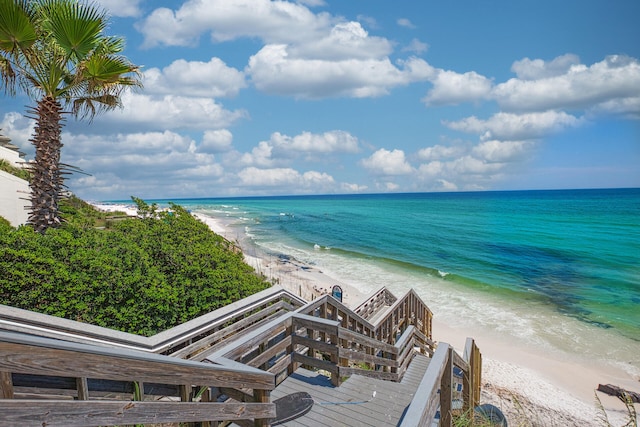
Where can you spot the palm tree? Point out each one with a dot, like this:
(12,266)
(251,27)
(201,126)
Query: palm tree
(55,52)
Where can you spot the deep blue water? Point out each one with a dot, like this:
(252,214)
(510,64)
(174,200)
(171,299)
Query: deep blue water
(577,251)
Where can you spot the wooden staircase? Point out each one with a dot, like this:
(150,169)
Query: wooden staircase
(384,345)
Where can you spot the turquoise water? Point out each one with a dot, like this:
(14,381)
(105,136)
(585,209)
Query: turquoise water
(556,268)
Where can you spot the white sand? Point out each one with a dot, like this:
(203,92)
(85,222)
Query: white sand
(531,387)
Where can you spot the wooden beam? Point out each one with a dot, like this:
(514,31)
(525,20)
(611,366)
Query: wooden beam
(42,356)
(64,413)
(6,385)
(83,388)
(446,390)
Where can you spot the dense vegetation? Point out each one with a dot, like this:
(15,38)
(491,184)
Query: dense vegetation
(137,275)
(19,172)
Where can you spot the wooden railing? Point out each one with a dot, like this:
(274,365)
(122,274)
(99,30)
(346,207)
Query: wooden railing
(186,340)
(38,359)
(262,332)
(299,339)
(400,314)
(435,391)
(381,298)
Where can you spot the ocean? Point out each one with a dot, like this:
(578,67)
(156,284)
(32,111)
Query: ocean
(558,270)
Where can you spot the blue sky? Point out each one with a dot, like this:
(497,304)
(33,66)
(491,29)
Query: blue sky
(254,97)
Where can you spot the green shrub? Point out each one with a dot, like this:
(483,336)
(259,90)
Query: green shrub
(140,276)
(19,172)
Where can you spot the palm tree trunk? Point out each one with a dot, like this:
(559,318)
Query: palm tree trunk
(47,183)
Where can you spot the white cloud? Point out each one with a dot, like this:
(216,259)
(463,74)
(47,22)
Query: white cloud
(509,126)
(216,141)
(416,46)
(329,142)
(19,129)
(451,88)
(438,152)
(139,164)
(353,188)
(579,87)
(388,163)
(260,155)
(311,3)
(195,78)
(447,186)
(272,70)
(284,177)
(346,40)
(527,69)
(273,22)
(626,107)
(122,8)
(281,149)
(404,22)
(171,112)
(503,151)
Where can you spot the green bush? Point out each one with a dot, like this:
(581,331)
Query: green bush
(19,172)
(140,275)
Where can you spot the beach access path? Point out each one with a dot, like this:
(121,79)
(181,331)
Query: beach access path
(526,383)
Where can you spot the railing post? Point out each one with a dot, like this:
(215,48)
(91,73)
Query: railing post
(472,378)
(185,396)
(335,359)
(83,388)
(261,396)
(6,385)
(446,395)
(477,362)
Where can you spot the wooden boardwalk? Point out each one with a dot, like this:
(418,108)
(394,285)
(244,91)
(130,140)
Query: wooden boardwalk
(353,404)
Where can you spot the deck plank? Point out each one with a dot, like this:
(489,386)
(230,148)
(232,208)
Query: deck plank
(385,409)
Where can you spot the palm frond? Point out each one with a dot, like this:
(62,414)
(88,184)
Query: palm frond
(17,32)
(76,27)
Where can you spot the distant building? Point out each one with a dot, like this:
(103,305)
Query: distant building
(11,152)
(14,192)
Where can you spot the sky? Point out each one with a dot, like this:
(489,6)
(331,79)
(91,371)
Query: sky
(259,98)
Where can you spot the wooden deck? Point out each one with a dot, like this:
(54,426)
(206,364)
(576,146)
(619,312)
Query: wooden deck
(353,403)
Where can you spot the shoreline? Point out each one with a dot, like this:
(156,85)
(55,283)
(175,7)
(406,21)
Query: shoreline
(529,385)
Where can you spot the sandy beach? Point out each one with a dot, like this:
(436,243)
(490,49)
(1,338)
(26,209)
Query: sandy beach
(532,387)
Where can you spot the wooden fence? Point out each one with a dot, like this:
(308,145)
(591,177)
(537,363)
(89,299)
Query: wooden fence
(435,391)
(87,365)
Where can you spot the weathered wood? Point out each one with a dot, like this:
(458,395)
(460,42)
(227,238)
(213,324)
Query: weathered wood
(104,413)
(282,364)
(83,388)
(446,389)
(239,395)
(41,383)
(237,349)
(25,321)
(366,341)
(315,344)
(358,356)
(613,390)
(230,330)
(315,323)
(6,385)
(424,405)
(316,363)
(380,375)
(270,352)
(262,396)
(42,356)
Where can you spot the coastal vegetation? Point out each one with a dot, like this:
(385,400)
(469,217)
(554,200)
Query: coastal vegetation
(56,52)
(15,171)
(138,275)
